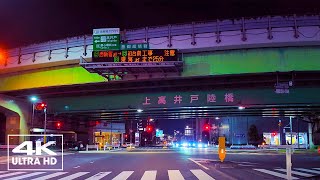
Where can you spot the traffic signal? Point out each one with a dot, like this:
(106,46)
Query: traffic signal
(206,127)
(273,134)
(149,128)
(40,106)
(58,125)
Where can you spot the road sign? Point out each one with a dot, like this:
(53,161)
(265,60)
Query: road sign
(282,88)
(106,39)
(159,133)
(135,56)
(134,46)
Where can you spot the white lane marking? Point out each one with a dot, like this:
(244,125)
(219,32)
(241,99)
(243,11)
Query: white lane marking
(284,176)
(199,164)
(308,170)
(11,174)
(91,162)
(98,176)
(73,176)
(175,175)
(201,175)
(123,175)
(26,176)
(316,168)
(50,176)
(76,167)
(245,165)
(149,175)
(3,172)
(296,172)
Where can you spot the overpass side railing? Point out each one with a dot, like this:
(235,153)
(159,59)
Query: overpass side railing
(192,29)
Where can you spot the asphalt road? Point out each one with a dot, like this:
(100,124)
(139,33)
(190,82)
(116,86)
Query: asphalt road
(175,164)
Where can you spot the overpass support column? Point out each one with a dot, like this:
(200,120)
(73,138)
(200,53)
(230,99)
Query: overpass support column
(311,145)
(18,114)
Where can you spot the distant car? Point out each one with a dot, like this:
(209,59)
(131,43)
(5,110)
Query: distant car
(127,144)
(190,144)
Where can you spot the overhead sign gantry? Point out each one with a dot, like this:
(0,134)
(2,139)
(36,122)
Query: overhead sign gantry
(115,61)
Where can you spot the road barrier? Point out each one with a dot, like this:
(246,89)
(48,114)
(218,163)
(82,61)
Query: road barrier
(92,147)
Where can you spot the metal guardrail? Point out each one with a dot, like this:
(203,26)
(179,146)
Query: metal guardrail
(192,29)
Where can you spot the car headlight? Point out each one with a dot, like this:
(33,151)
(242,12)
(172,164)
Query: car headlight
(184,144)
(193,144)
(200,145)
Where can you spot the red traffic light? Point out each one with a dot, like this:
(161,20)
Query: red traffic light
(206,127)
(40,106)
(58,125)
(273,134)
(149,128)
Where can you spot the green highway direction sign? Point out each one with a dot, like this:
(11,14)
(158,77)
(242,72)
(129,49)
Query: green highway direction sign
(137,46)
(106,39)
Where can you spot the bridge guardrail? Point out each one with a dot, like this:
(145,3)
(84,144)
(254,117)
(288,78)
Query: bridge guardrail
(192,29)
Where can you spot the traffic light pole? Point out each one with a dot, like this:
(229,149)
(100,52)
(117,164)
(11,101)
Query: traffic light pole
(45,124)
(32,118)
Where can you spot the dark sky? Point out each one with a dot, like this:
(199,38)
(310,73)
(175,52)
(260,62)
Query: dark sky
(25,22)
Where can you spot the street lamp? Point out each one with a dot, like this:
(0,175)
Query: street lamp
(33,99)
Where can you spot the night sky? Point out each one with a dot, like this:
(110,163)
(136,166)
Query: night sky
(25,22)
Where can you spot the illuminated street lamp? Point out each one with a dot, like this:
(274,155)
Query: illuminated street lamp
(33,99)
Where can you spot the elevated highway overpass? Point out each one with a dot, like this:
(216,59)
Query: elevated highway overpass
(243,57)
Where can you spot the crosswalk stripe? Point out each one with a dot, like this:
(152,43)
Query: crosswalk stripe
(98,176)
(308,170)
(296,172)
(123,175)
(25,176)
(1,172)
(284,176)
(73,176)
(11,174)
(201,175)
(149,175)
(175,175)
(317,169)
(50,176)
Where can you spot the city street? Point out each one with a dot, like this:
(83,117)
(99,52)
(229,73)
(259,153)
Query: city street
(183,163)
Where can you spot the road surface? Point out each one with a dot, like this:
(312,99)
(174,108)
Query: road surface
(173,164)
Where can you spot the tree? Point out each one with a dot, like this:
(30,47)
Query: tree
(253,135)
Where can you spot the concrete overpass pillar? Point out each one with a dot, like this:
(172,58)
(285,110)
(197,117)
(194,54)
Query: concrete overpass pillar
(311,145)
(17,115)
